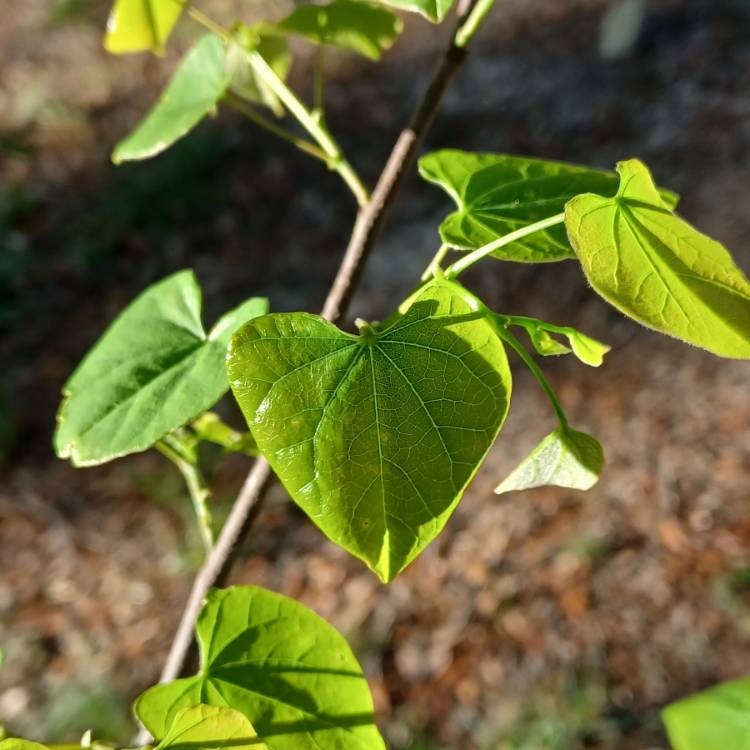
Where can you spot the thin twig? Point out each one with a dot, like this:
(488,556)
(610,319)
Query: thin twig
(368,223)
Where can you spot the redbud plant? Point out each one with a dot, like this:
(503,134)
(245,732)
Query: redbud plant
(374,435)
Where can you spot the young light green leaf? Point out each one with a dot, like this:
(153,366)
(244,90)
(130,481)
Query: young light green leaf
(545,345)
(153,370)
(349,24)
(276,661)
(375,436)
(194,90)
(140,25)
(656,268)
(716,719)
(565,458)
(268,41)
(590,351)
(205,727)
(210,428)
(14,743)
(497,194)
(434,10)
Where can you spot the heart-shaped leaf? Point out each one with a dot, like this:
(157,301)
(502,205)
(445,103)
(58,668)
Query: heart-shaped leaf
(140,25)
(716,719)
(271,44)
(656,268)
(565,458)
(497,194)
(196,86)
(152,371)
(348,24)
(276,661)
(211,728)
(375,436)
(434,10)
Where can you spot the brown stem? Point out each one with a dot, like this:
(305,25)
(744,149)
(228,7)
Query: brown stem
(367,225)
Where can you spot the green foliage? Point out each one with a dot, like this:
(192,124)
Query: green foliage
(434,10)
(152,371)
(375,436)
(349,24)
(565,458)
(656,268)
(196,86)
(268,41)
(279,664)
(497,194)
(210,728)
(141,25)
(716,719)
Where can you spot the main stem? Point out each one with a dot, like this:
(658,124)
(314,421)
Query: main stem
(369,221)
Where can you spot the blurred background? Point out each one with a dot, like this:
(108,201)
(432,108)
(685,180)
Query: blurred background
(543,620)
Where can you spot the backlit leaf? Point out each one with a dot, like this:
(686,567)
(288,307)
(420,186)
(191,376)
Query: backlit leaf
(716,719)
(565,458)
(153,370)
(276,661)
(349,24)
(656,268)
(375,436)
(590,351)
(434,10)
(193,92)
(497,194)
(211,728)
(140,25)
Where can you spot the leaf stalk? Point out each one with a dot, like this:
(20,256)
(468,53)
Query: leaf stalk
(200,494)
(474,257)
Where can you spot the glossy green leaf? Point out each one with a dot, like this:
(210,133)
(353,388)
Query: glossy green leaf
(565,458)
(716,719)
(210,428)
(497,194)
(14,743)
(141,25)
(349,24)
(205,727)
(271,44)
(375,436)
(278,663)
(656,268)
(434,10)
(193,92)
(153,370)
